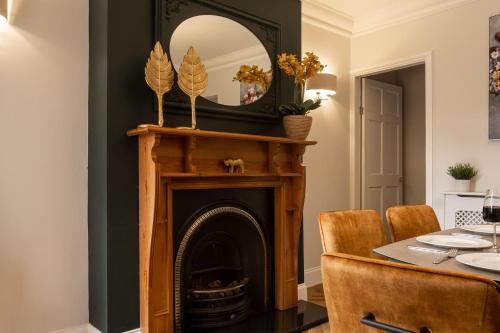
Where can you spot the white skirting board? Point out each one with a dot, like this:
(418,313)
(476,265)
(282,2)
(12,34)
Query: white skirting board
(92,329)
(310,275)
(302,292)
(88,328)
(76,329)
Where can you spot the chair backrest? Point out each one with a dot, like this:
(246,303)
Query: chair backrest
(355,232)
(406,297)
(410,221)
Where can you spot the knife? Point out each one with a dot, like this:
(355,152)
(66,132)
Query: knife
(426,249)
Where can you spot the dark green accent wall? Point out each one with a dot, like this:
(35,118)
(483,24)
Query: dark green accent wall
(121,36)
(97,183)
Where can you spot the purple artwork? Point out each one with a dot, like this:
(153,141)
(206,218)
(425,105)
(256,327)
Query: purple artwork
(494,81)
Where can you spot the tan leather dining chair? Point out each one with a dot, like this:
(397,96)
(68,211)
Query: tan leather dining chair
(362,293)
(352,231)
(411,221)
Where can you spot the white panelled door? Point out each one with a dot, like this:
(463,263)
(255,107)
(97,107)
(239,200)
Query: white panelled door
(382,146)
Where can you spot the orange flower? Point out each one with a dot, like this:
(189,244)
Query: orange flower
(301,71)
(254,75)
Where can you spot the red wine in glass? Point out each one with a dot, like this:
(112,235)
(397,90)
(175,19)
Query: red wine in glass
(491,214)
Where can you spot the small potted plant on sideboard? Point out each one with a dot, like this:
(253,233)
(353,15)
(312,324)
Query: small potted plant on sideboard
(296,121)
(462,173)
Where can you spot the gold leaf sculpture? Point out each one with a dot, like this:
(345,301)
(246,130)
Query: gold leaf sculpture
(193,79)
(159,77)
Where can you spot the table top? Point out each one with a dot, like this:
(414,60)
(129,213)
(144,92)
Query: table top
(399,251)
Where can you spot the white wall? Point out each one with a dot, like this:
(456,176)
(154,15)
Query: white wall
(43,175)
(458,39)
(327,162)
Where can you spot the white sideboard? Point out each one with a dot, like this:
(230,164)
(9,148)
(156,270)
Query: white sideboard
(462,208)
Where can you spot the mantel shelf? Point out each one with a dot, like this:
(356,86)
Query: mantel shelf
(214,134)
(219,175)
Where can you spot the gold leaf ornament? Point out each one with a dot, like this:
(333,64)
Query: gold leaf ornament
(159,77)
(192,79)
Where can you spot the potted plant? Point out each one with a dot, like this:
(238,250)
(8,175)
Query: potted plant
(462,173)
(296,121)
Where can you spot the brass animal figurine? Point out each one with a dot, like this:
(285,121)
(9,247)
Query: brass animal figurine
(235,165)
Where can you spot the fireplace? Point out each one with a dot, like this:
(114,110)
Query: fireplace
(223,261)
(215,259)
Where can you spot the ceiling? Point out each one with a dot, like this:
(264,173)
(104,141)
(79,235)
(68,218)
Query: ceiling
(359,8)
(356,17)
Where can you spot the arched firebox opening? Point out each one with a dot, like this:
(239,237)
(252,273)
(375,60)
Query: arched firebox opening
(222,269)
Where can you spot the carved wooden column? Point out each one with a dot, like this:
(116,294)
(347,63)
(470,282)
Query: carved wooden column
(155,245)
(187,159)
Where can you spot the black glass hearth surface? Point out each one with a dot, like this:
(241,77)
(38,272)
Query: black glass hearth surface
(305,316)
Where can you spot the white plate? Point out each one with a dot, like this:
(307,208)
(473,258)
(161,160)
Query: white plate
(454,242)
(486,229)
(489,261)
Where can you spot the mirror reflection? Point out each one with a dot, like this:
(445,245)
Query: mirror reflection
(238,65)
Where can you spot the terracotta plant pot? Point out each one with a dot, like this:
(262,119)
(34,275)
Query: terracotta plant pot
(297,127)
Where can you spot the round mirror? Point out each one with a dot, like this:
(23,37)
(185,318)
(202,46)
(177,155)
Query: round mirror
(238,66)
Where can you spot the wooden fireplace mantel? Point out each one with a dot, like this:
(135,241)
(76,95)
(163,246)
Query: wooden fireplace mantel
(171,159)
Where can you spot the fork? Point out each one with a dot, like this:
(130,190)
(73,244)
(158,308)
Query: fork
(452,253)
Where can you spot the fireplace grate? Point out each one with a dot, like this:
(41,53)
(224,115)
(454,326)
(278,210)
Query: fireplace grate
(215,305)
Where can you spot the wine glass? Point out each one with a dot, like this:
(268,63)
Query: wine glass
(491,214)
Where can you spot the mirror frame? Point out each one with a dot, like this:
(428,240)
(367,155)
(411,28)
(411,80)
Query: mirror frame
(171,13)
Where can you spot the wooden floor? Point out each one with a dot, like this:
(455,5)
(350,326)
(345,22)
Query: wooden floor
(315,295)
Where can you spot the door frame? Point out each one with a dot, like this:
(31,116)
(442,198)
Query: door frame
(355,122)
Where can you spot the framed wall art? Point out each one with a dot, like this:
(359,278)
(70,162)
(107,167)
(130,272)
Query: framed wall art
(494,78)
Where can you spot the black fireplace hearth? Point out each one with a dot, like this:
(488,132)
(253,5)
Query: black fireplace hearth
(299,319)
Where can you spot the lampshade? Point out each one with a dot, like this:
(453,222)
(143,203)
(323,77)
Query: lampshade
(3,8)
(323,83)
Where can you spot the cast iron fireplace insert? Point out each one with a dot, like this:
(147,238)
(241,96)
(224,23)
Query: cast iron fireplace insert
(223,257)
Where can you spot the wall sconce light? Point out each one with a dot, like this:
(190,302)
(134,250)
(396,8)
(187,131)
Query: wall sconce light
(3,8)
(323,85)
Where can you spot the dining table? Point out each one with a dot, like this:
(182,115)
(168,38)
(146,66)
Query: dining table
(400,252)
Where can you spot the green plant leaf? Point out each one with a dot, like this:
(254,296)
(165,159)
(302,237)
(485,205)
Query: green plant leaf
(307,104)
(299,108)
(462,171)
(316,104)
